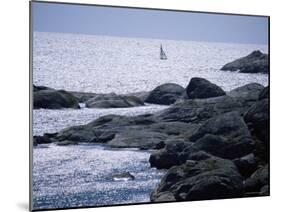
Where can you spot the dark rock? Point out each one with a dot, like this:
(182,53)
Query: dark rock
(165,94)
(264,190)
(249,92)
(199,110)
(256,62)
(213,178)
(257,119)
(200,88)
(123,177)
(144,139)
(40,88)
(54,99)
(66,143)
(113,100)
(246,165)
(229,125)
(258,179)
(142,95)
(170,156)
(83,96)
(223,147)
(264,94)
(41,140)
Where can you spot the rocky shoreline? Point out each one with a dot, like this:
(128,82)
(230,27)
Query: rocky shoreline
(214,144)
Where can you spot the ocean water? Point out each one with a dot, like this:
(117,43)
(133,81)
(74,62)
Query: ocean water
(81,175)
(110,64)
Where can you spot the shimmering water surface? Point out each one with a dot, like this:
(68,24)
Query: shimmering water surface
(73,176)
(81,175)
(111,64)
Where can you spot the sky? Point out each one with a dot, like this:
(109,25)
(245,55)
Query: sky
(124,22)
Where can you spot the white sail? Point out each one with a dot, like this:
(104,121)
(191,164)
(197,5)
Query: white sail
(163,56)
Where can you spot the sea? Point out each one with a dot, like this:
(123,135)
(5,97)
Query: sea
(81,175)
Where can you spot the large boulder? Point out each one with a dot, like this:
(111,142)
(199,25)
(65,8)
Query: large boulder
(139,138)
(213,178)
(246,165)
(257,119)
(200,110)
(169,156)
(83,96)
(256,62)
(113,100)
(165,94)
(54,99)
(224,147)
(229,125)
(200,88)
(257,181)
(250,92)
(264,94)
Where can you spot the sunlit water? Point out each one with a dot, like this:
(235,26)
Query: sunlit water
(73,176)
(111,64)
(81,175)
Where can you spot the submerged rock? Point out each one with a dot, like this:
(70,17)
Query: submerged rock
(165,94)
(200,88)
(256,62)
(123,177)
(54,99)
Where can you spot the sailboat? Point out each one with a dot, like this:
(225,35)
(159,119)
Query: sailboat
(162,54)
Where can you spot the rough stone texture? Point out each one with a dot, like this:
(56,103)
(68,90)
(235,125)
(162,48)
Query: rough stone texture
(256,62)
(113,100)
(54,99)
(264,94)
(165,94)
(258,180)
(213,178)
(200,88)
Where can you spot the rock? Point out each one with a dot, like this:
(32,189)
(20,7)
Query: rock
(246,165)
(258,179)
(170,156)
(264,94)
(123,177)
(200,88)
(228,148)
(264,190)
(165,94)
(54,99)
(83,96)
(249,92)
(256,62)
(213,178)
(199,110)
(41,140)
(140,138)
(118,132)
(229,125)
(257,119)
(142,95)
(113,100)
(40,88)
(66,143)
